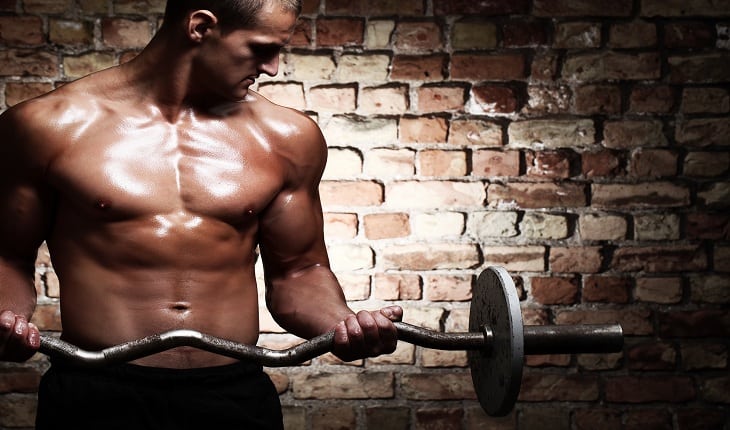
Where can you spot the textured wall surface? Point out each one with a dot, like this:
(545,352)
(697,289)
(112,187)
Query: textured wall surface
(582,144)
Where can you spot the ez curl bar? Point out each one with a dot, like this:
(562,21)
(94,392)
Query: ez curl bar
(496,343)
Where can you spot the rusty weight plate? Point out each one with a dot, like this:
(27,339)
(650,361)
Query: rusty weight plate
(496,371)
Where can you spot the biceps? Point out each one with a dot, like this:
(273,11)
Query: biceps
(23,221)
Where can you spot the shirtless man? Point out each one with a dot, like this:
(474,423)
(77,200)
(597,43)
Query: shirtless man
(153,183)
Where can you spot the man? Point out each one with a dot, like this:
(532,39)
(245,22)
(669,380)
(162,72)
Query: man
(153,183)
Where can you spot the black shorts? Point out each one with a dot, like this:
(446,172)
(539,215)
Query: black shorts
(236,396)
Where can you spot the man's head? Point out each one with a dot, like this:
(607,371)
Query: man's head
(232,14)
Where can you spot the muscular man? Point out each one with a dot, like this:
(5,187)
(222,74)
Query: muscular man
(153,183)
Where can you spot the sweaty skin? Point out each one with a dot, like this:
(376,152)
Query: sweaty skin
(153,183)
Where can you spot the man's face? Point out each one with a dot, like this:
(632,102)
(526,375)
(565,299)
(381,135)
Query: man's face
(229,63)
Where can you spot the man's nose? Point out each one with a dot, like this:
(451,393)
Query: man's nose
(270,66)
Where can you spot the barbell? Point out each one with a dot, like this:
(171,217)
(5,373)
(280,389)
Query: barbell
(496,343)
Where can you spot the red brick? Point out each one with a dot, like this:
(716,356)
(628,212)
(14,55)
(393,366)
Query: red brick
(340,32)
(397,287)
(652,99)
(633,321)
(351,193)
(702,67)
(544,67)
(27,63)
(491,163)
(642,195)
(47,317)
(576,259)
(418,36)
(375,7)
(124,33)
(504,67)
(16,92)
(543,418)
(581,8)
(701,323)
(546,387)
(423,130)
(440,99)
(597,419)
(648,419)
(427,68)
(386,225)
(538,195)
(608,289)
(660,259)
(601,164)
(447,386)
(653,163)
(21,30)
(439,419)
(484,8)
(598,99)
(701,418)
(379,417)
(303,33)
(554,290)
(689,35)
(612,65)
(517,34)
(495,99)
(652,356)
(436,162)
(19,380)
(645,389)
(549,164)
(702,225)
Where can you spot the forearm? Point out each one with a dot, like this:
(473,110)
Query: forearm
(17,288)
(308,302)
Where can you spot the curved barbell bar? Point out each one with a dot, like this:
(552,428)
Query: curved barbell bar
(560,339)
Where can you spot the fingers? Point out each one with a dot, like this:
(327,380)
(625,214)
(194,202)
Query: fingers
(367,334)
(19,339)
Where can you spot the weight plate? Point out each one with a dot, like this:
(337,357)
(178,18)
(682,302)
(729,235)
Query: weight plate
(496,371)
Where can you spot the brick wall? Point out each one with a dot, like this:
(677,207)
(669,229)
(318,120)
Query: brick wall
(581,144)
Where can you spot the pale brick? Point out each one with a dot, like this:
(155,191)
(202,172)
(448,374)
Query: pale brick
(653,163)
(365,68)
(536,196)
(313,67)
(548,99)
(704,356)
(716,195)
(17,411)
(355,287)
(658,290)
(577,35)
(386,225)
(487,224)
(550,164)
(47,6)
(699,68)
(643,195)
(17,92)
(439,288)
(458,321)
(76,67)
(125,34)
(656,227)
(294,417)
(441,99)
(332,98)
(404,354)
(440,224)
(387,163)
(289,95)
(612,65)
(71,33)
(552,134)
(357,131)
(378,33)
(706,164)
(342,163)
(429,256)
(491,163)
(441,358)
(586,259)
(447,386)
(372,385)
(469,34)
(344,257)
(536,225)
(397,287)
(434,194)
(442,163)
(633,134)
(721,262)
(418,36)
(475,132)
(383,100)
(362,193)
(340,225)
(27,63)
(574,8)
(141,7)
(602,227)
(703,132)
(334,418)
(267,324)
(426,317)
(423,130)
(635,34)
(516,258)
(680,8)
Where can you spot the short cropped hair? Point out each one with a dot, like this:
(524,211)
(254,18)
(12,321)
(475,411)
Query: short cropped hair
(231,14)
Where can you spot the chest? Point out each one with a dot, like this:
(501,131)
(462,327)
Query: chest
(137,170)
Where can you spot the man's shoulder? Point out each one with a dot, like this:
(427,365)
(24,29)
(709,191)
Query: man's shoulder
(291,125)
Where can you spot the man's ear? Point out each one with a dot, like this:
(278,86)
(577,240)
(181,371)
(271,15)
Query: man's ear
(200,23)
